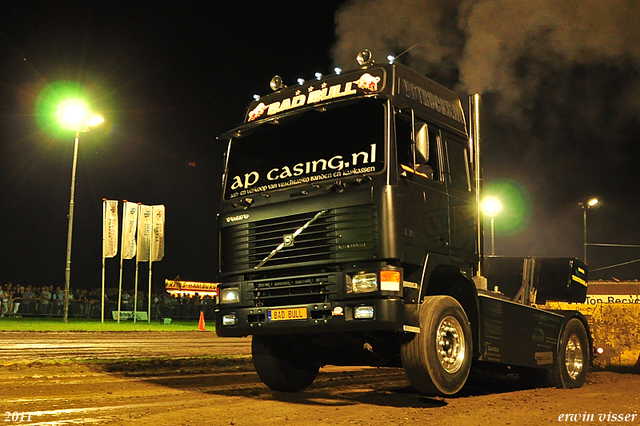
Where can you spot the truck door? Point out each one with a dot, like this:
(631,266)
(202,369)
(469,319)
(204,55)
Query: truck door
(424,205)
(461,199)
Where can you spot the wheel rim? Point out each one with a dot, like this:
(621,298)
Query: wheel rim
(450,344)
(574,357)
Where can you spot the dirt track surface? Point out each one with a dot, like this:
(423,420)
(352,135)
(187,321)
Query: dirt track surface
(170,379)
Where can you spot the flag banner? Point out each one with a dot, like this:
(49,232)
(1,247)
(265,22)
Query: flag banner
(157,236)
(129,226)
(109,228)
(145,222)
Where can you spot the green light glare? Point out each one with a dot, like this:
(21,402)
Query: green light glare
(516,205)
(53,109)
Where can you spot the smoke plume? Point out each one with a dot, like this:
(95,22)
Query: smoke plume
(561,86)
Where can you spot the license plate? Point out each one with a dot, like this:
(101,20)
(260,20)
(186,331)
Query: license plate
(287,314)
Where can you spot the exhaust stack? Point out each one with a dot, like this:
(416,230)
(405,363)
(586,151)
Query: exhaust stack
(474,148)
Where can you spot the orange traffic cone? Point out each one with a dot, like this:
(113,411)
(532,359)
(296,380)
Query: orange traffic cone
(201,322)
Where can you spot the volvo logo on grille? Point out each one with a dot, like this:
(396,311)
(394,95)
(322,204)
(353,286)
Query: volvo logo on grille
(287,239)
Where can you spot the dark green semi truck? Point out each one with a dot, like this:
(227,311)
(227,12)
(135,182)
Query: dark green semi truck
(350,233)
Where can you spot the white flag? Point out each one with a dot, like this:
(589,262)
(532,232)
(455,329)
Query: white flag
(129,226)
(145,221)
(109,228)
(157,236)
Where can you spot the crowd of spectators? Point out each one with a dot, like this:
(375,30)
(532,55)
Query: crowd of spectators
(47,301)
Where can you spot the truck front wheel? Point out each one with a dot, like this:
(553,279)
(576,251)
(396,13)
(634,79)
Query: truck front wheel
(573,357)
(438,359)
(280,366)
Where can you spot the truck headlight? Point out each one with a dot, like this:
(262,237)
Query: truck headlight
(363,283)
(230,295)
(364,312)
(229,320)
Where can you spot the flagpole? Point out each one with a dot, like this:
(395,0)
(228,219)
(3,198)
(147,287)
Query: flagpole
(120,280)
(149,298)
(135,296)
(137,255)
(104,229)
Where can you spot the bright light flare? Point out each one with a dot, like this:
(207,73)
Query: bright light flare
(592,202)
(72,112)
(95,120)
(491,206)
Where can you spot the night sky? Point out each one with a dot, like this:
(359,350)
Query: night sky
(561,115)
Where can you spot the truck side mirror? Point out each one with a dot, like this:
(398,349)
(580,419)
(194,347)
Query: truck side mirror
(422,142)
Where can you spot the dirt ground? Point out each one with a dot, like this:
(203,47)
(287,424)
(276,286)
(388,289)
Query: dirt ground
(182,386)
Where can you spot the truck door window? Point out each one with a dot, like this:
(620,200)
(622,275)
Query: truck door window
(458,160)
(404,142)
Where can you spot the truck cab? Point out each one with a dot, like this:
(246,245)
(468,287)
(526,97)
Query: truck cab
(348,232)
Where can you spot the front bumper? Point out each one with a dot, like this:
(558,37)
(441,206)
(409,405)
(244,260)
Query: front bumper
(388,315)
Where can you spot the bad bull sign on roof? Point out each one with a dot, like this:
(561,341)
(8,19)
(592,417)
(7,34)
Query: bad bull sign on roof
(395,80)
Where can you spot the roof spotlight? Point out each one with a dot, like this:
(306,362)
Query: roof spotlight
(365,58)
(256,97)
(318,76)
(276,83)
(301,81)
(337,70)
(391,58)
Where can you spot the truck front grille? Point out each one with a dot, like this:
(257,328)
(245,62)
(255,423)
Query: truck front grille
(298,290)
(338,235)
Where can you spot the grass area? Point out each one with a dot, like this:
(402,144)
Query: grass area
(83,324)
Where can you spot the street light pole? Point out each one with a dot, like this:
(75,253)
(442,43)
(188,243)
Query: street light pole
(585,206)
(67,271)
(493,237)
(73,115)
(492,206)
(584,234)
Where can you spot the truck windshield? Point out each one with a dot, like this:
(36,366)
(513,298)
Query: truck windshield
(308,148)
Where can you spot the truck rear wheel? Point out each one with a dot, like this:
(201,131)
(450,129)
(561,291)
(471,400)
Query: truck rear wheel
(278,365)
(438,359)
(573,357)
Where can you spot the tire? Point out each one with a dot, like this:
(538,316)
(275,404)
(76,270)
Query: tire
(572,362)
(437,361)
(276,363)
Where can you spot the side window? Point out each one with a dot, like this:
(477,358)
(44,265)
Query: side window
(458,159)
(406,155)
(403,139)
(434,157)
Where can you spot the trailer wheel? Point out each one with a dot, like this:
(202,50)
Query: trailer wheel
(573,357)
(438,359)
(277,365)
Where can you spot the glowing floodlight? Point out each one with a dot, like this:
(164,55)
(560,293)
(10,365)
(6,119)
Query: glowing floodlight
(73,114)
(337,70)
(491,206)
